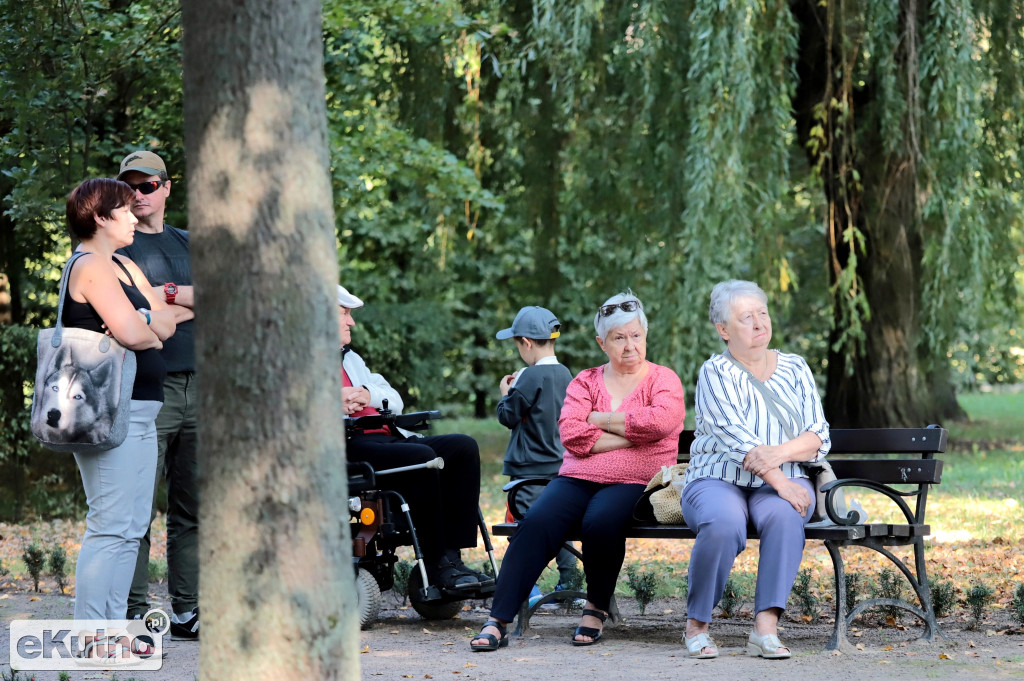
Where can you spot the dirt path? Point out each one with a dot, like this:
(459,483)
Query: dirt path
(400,645)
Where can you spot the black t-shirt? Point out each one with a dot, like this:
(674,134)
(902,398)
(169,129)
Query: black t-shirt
(164,258)
(150,368)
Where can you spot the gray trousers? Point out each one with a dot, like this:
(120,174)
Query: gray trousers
(565,561)
(719,512)
(119,490)
(176,448)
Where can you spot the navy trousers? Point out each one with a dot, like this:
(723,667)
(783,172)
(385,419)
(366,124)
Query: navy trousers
(600,514)
(443,503)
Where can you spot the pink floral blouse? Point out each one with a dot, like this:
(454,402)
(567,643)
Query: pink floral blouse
(654,419)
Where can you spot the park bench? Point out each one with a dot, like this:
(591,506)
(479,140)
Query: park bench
(868,458)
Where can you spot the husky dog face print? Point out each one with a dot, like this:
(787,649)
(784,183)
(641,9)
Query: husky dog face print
(77,402)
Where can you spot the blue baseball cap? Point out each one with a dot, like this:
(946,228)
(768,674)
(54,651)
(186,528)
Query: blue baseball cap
(532,322)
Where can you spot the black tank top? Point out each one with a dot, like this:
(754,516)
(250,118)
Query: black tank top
(150,368)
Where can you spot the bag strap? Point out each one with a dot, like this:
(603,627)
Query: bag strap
(772,401)
(58,329)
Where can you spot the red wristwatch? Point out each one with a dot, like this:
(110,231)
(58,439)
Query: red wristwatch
(170,292)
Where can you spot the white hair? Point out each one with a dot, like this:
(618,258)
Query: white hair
(602,325)
(726,292)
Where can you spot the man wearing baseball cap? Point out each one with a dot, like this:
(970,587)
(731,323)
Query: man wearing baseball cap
(443,503)
(162,253)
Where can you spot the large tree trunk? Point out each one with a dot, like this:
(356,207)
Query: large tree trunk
(277,597)
(885,382)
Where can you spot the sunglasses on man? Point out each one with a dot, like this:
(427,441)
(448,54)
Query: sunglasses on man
(625,306)
(147,187)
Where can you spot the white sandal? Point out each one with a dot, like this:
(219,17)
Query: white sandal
(768,646)
(696,645)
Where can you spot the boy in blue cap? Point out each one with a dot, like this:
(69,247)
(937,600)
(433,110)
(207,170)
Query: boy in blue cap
(531,402)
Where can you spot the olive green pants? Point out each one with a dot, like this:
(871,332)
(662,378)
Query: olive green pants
(176,462)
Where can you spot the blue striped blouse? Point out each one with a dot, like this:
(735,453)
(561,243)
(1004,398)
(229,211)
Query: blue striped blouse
(732,418)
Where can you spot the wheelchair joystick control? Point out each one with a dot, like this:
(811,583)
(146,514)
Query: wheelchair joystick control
(384,411)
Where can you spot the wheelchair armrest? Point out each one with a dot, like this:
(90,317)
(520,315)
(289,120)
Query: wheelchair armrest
(361,477)
(417,420)
(371,422)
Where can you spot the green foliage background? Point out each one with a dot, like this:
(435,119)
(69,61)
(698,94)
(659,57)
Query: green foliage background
(487,155)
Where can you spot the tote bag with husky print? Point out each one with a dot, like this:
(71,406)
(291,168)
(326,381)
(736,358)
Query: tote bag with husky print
(84,381)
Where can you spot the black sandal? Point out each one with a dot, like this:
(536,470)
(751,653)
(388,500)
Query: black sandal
(594,634)
(450,577)
(492,642)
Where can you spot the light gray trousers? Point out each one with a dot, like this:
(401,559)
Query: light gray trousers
(119,490)
(719,512)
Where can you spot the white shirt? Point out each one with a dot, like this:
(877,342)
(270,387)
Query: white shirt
(550,359)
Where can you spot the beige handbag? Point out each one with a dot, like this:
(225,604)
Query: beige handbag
(664,493)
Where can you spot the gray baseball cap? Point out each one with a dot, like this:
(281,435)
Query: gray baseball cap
(532,322)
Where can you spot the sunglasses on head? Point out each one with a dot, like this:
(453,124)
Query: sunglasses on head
(147,187)
(625,306)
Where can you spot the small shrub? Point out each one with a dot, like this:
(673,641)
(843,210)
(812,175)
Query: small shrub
(35,561)
(1017,605)
(730,598)
(577,580)
(890,585)
(643,584)
(157,570)
(403,569)
(978,598)
(854,590)
(4,570)
(64,676)
(805,598)
(943,598)
(59,566)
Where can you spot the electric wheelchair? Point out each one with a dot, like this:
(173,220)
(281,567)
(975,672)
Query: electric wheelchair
(380,523)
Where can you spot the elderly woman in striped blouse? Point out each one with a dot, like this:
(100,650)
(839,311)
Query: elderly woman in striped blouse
(758,417)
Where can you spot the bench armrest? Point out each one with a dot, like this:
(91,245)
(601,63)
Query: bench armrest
(513,487)
(853,518)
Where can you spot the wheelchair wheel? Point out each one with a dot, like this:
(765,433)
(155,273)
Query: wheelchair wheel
(368,598)
(430,610)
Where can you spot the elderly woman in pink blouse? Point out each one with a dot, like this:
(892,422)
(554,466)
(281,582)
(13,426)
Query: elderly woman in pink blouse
(619,425)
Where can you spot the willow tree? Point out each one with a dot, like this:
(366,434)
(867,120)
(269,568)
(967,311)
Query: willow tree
(910,112)
(858,159)
(277,595)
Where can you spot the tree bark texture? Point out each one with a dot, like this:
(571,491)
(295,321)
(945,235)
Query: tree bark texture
(886,382)
(277,597)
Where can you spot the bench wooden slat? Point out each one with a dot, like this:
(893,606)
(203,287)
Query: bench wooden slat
(888,440)
(901,531)
(890,471)
(835,532)
(922,441)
